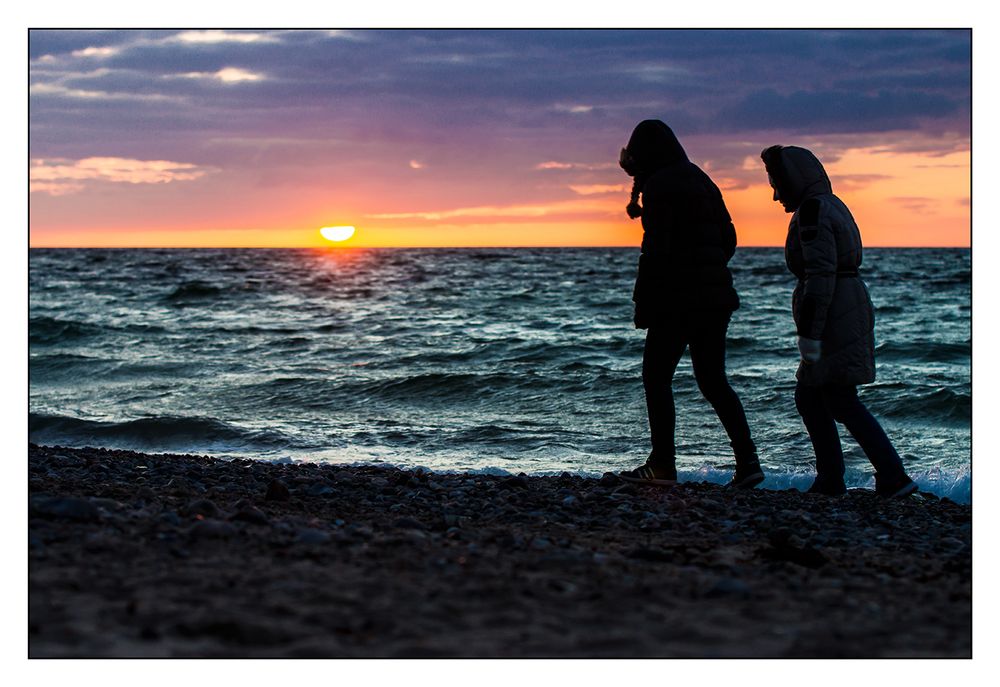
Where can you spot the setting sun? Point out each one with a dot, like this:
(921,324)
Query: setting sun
(337,233)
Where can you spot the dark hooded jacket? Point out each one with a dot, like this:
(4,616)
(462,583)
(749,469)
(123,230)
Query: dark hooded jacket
(823,249)
(688,236)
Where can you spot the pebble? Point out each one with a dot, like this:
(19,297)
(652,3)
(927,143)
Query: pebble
(408,523)
(203,507)
(169,517)
(644,553)
(952,544)
(69,508)
(251,514)
(212,529)
(608,479)
(179,486)
(277,491)
(311,535)
(107,504)
(517,482)
(728,587)
(319,489)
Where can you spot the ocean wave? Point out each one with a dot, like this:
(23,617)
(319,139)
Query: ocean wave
(571,348)
(161,433)
(942,405)
(925,352)
(68,366)
(775,269)
(742,343)
(47,330)
(439,386)
(418,389)
(193,291)
(957,277)
(423,389)
(60,366)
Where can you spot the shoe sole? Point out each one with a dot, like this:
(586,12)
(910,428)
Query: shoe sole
(654,482)
(904,491)
(748,482)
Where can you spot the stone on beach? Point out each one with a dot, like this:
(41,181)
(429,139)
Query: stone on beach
(249,513)
(70,508)
(212,529)
(203,507)
(277,491)
(311,535)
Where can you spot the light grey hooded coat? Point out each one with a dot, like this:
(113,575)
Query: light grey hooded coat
(823,249)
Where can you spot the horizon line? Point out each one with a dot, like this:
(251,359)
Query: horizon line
(517,247)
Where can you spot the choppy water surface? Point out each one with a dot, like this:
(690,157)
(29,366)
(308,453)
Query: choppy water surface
(463,359)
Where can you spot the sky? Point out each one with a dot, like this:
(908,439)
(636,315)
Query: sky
(198,137)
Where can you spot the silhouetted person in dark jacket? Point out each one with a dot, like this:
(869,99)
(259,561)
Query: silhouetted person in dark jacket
(835,322)
(683,296)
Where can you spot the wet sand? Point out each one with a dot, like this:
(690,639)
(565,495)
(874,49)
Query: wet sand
(135,555)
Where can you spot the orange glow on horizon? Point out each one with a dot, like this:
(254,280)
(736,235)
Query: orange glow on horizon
(898,199)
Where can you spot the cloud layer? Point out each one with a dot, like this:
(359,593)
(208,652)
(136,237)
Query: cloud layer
(61,177)
(498,119)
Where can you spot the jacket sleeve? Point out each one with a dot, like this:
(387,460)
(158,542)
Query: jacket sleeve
(728,233)
(655,240)
(819,255)
(639,281)
(729,240)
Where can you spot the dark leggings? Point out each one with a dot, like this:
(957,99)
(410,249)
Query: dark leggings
(821,407)
(705,335)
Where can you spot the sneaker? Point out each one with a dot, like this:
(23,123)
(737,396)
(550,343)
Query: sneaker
(651,473)
(827,487)
(894,488)
(747,476)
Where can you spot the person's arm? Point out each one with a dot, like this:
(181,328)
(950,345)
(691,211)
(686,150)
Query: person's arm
(728,233)
(729,240)
(638,318)
(819,254)
(655,243)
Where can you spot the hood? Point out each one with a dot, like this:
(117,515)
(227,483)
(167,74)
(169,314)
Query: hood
(653,145)
(796,174)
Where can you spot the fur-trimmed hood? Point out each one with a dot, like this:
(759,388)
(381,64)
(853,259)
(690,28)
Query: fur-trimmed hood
(796,174)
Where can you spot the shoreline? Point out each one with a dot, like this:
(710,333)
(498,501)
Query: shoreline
(165,555)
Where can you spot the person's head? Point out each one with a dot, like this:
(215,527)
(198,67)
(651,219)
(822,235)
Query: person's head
(652,145)
(795,174)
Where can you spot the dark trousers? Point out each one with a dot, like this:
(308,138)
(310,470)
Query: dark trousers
(705,335)
(821,407)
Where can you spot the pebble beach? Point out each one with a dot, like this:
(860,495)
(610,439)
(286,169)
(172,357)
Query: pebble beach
(139,555)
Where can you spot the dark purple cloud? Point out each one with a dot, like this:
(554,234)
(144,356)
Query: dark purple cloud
(458,96)
(837,111)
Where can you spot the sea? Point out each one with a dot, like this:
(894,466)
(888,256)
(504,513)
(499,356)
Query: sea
(497,361)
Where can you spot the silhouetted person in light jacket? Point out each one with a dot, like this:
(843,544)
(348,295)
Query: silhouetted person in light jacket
(683,296)
(835,322)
